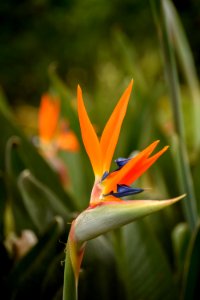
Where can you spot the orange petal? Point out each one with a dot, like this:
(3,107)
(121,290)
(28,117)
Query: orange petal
(67,141)
(48,117)
(89,136)
(129,169)
(139,169)
(111,131)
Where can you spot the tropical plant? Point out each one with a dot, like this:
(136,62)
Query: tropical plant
(45,224)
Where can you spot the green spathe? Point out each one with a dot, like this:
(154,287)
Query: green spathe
(106,216)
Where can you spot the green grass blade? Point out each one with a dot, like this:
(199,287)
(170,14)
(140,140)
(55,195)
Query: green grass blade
(186,186)
(184,54)
(191,268)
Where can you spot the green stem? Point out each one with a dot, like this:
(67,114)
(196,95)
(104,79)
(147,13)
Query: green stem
(70,286)
(189,203)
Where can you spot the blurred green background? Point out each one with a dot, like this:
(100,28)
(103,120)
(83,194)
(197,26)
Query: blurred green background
(52,46)
(79,38)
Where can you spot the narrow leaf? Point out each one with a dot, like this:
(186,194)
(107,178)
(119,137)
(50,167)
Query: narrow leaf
(28,274)
(41,203)
(191,269)
(142,263)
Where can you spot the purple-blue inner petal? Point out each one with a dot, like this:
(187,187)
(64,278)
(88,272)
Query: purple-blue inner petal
(125,190)
(121,161)
(105,174)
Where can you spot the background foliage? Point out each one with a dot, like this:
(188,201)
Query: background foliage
(79,37)
(51,46)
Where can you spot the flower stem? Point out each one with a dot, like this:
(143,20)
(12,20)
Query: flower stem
(70,286)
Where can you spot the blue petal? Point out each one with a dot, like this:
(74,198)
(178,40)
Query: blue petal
(121,161)
(105,174)
(124,190)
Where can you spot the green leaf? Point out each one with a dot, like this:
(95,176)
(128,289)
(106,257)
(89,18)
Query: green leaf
(13,166)
(196,178)
(6,265)
(29,272)
(41,203)
(52,284)
(142,264)
(79,186)
(4,107)
(180,239)
(98,272)
(107,216)
(185,56)
(170,68)
(43,172)
(3,197)
(191,272)
(33,204)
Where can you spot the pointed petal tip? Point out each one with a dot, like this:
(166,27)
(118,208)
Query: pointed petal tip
(132,81)
(157,142)
(130,84)
(79,89)
(165,148)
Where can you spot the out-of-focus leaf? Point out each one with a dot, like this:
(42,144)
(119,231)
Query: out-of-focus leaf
(41,203)
(191,272)
(180,239)
(28,274)
(130,59)
(44,174)
(13,166)
(33,204)
(6,265)
(142,264)
(196,178)
(99,272)
(52,284)
(78,185)
(163,27)
(4,107)
(3,196)
(59,294)
(185,56)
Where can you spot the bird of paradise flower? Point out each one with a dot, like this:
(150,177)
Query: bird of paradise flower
(54,134)
(106,210)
